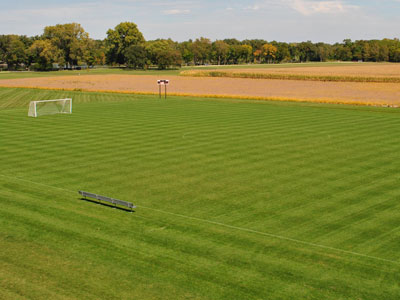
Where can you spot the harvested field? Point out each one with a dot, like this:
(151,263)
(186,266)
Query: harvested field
(362,69)
(384,72)
(332,92)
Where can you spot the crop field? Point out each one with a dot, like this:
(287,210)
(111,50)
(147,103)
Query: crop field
(363,93)
(235,199)
(174,72)
(343,69)
(362,72)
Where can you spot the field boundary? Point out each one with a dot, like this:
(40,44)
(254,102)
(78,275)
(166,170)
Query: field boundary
(271,235)
(217,96)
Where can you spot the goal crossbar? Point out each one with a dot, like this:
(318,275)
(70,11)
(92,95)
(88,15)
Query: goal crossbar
(53,100)
(53,106)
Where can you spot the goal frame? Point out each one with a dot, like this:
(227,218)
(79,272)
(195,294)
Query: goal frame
(34,104)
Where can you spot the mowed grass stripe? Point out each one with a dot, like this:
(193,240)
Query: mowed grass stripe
(199,245)
(145,149)
(231,227)
(323,174)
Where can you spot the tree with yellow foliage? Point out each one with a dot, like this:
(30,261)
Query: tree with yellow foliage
(257,56)
(269,52)
(44,54)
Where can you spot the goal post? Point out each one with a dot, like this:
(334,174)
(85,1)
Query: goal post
(49,107)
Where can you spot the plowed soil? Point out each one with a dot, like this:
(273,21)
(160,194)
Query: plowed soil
(339,92)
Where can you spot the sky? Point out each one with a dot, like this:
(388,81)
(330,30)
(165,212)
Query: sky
(281,20)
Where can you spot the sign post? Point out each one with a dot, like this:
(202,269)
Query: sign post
(163,82)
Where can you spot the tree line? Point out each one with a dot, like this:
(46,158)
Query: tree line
(69,45)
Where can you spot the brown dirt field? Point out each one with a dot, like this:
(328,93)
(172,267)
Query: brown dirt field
(360,70)
(334,92)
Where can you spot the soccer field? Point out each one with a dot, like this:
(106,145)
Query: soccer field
(235,199)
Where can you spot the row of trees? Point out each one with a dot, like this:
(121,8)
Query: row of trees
(68,45)
(64,45)
(232,51)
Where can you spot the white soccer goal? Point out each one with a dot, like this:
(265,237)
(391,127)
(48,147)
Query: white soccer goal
(49,107)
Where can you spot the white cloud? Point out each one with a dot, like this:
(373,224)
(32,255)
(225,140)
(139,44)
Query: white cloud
(31,21)
(307,7)
(294,20)
(51,12)
(176,11)
(254,7)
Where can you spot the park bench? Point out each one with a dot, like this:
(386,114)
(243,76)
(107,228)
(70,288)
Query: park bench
(108,199)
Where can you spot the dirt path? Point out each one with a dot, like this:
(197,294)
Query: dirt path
(342,92)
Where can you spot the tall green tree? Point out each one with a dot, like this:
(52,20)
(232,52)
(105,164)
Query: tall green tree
(246,52)
(119,39)
(136,56)
(13,51)
(374,51)
(232,42)
(3,47)
(94,53)
(44,54)
(357,50)
(71,39)
(186,49)
(163,53)
(323,51)
(394,50)
(282,53)
(220,51)
(366,52)
(201,50)
(307,51)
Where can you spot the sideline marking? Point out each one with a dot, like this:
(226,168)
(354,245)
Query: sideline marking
(234,227)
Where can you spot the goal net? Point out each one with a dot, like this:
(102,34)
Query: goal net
(49,107)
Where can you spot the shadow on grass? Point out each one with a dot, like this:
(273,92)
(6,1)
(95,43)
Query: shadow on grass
(108,205)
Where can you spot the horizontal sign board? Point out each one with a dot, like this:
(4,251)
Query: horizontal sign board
(162,81)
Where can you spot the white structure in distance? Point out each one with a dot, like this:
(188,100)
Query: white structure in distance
(50,107)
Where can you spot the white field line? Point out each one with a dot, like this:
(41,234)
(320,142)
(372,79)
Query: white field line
(234,227)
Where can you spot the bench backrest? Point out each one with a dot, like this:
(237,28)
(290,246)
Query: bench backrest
(107,199)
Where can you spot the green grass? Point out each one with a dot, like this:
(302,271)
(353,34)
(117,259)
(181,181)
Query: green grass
(118,71)
(236,199)
(100,71)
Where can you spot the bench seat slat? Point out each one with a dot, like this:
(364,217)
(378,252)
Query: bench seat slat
(86,194)
(107,199)
(103,198)
(123,203)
